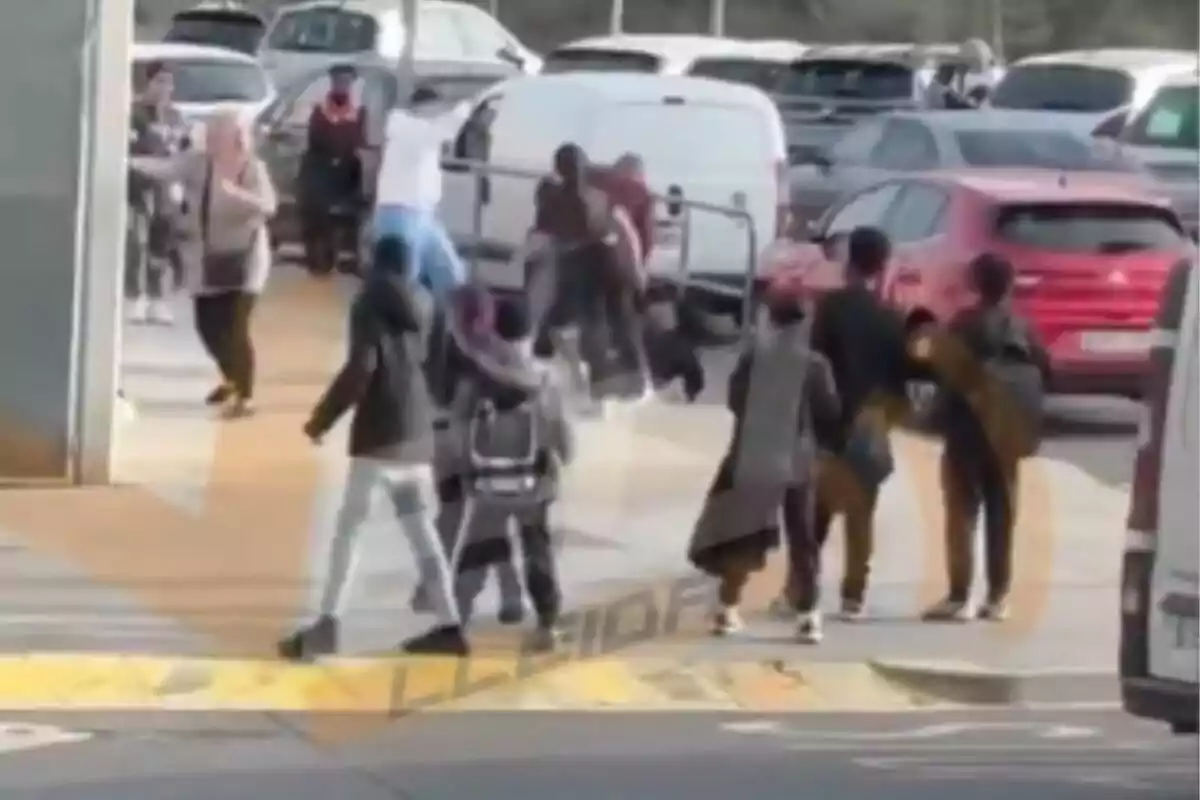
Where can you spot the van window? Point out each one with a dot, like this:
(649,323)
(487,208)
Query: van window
(755,72)
(1032,149)
(200,80)
(1090,228)
(1063,87)
(577,59)
(324,30)
(1171,120)
(867,80)
(720,136)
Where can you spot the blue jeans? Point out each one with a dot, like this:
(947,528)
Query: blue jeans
(436,263)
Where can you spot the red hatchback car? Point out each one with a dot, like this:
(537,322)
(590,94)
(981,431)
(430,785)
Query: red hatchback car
(1091,253)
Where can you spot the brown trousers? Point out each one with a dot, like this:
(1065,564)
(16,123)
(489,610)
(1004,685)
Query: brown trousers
(974,481)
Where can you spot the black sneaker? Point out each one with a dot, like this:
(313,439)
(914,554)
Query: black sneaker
(511,614)
(219,396)
(306,644)
(446,640)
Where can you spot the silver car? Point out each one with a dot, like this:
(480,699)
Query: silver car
(898,144)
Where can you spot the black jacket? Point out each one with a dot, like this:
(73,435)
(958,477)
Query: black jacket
(974,336)
(866,345)
(382,378)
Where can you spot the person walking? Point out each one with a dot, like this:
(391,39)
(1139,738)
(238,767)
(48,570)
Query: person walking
(228,200)
(515,440)
(471,344)
(391,448)
(157,129)
(784,400)
(990,367)
(866,345)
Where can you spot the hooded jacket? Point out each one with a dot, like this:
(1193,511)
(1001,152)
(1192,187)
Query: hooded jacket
(508,376)
(382,379)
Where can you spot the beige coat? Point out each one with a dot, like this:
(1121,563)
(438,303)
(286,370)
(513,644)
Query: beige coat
(236,220)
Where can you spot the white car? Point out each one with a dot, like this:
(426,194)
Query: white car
(1160,581)
(1165,137)
(308,35)
(207,79)
(1089,85)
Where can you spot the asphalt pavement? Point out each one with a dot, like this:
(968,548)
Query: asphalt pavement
(1051,753)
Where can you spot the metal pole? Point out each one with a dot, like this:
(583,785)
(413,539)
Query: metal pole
(616,17)
(997,13)
(406,69)
(716,18)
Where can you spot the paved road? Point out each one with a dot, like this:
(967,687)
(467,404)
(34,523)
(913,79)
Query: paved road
(1063,754)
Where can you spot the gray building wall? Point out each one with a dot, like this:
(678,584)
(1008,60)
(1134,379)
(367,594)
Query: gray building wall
(51,52)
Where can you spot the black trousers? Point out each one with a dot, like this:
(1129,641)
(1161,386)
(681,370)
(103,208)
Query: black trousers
(223,324)
(975,479)
(485,544)
(494,549)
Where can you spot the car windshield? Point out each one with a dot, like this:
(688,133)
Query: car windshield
(1038,149)
(235,31)
(1063,87)
(323,30)
(1172,119)
(578,59)
(1089,228)
(867,80)
(755,72)
(202,81)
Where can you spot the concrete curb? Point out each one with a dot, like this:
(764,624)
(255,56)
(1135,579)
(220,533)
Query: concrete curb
(963,683)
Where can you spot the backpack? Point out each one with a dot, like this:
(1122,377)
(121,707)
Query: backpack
(1010,403)
(504,449)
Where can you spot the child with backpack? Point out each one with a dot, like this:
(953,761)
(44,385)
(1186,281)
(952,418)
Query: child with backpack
(990,369)
(514,439)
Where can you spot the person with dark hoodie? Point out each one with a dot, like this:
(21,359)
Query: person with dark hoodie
(391,448)
(990,368)
(470,337)
(514,440)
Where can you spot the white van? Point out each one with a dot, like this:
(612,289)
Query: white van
(1160,585)
(703,140)
(1165,137)
(1089,85)
(754,63)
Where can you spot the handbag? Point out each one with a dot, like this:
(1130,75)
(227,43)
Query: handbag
(868,454)
(222,270)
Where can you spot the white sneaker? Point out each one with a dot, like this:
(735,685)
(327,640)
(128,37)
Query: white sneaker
(139,310)
(948,610)
(808,629)
(159,313)
(726,622)
(852,611)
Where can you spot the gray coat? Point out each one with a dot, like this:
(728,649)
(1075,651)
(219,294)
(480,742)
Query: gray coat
(236,221)
(786,407)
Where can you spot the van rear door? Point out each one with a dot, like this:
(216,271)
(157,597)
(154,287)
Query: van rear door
(728,155)
(1174,621)
(231,27)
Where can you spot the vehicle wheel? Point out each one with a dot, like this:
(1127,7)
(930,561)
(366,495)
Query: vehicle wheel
(1187,727)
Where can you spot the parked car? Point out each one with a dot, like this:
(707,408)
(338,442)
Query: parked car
(1089,85)
(891,145)
(1091,252)
(1160,587)
(218,23)
(1165,137)
(283,126)
(206,79)
(831,88)
(755,63)
(316,33)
